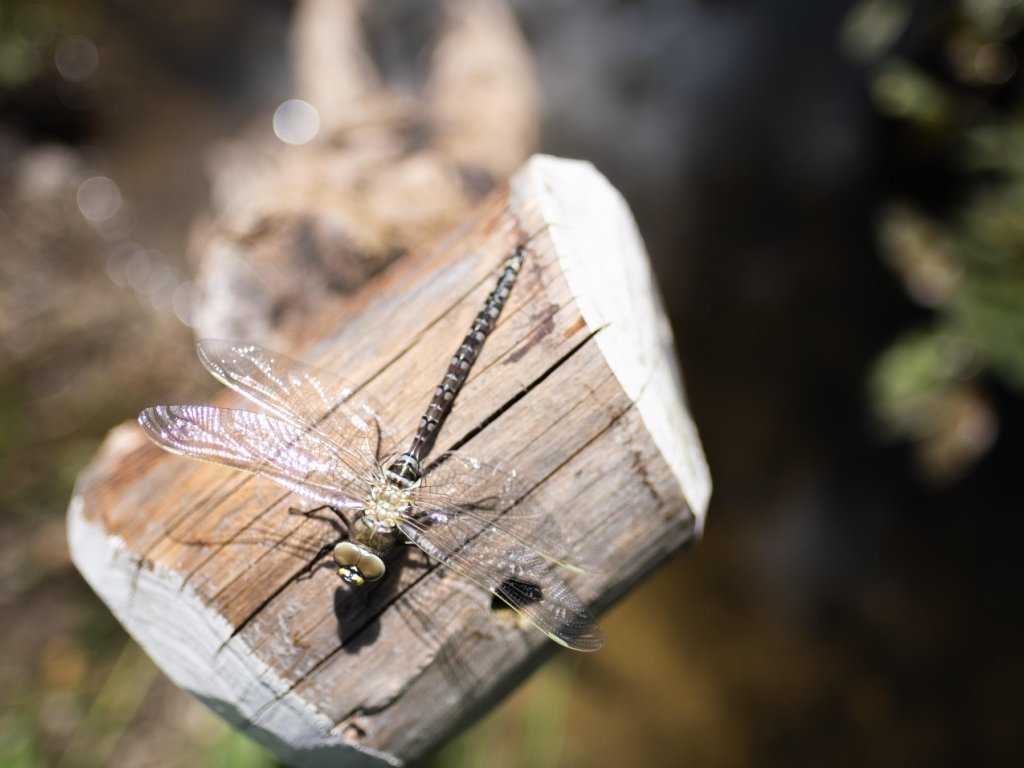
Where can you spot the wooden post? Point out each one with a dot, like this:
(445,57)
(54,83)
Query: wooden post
(576,388)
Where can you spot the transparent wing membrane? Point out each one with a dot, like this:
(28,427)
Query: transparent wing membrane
(301,394)
(489,493)
(254,442)
(510,570)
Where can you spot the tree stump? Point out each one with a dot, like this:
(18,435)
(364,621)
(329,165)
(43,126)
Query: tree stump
(576,388)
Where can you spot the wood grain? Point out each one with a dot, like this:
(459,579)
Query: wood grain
(576,388)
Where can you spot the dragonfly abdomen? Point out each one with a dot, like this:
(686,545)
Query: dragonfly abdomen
(458,369)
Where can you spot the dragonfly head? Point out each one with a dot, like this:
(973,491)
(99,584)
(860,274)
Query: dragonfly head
(357,564)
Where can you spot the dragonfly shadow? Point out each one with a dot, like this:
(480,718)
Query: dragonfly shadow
(354,634)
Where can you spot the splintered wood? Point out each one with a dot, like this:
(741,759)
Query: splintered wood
(576,388)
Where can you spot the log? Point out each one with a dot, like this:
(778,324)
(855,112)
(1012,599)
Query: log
(293,231)
(576,387)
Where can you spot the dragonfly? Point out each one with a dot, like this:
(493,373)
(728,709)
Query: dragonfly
(317,438)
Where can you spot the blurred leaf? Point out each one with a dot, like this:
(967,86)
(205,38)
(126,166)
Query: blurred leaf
(916,366)
(112,710)
(871,27)
(16,65)
(529,728)
(991,311)
(996,147)
(965,259)
(18,742)
(993,18)
(922,252)
(238,751)
(921,391)
(902,90)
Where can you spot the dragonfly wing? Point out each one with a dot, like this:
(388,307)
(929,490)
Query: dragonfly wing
(261,444)
(490,493)
(302,394)
(502,564)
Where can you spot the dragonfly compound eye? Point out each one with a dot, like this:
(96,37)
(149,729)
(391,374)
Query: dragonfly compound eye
(371,566)
(357,565)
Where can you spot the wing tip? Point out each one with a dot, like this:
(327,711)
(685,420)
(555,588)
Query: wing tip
(148,418)
(155,421)
(586,639)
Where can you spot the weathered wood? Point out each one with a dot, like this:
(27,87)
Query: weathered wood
(576,388)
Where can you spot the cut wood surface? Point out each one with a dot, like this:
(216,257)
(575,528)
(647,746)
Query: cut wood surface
(576,388)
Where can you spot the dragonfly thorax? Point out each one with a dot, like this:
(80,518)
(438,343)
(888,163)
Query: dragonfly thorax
(387,502)
(375,528)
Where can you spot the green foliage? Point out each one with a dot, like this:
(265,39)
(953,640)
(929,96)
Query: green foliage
(529,728)
(27,37)
(18,747)
(962,260)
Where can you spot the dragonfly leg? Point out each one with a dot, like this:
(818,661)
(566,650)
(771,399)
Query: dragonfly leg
(313,513)
(377,440)
(319,561)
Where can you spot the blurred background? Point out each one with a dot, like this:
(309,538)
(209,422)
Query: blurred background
(832,194)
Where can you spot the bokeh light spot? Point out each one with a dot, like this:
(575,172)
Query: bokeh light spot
(138,268)
(76,58)
(995,63)
(99,199)
(183,300)
(296,122)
